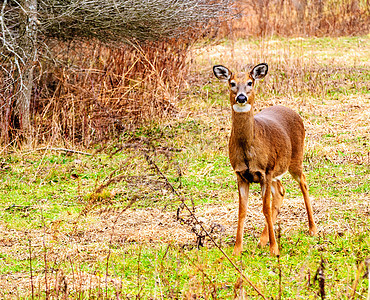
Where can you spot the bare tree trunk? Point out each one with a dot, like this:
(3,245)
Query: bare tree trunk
(28,55)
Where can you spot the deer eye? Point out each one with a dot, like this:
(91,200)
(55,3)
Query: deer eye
(249,83)
(233,84)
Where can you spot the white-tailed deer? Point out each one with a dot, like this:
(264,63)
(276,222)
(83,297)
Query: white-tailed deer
(261,149)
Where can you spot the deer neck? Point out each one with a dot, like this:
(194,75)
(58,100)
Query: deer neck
(242,132)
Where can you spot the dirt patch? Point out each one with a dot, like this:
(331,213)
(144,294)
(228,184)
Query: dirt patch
(155,226)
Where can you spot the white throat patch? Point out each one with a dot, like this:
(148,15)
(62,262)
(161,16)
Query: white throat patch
(242,108)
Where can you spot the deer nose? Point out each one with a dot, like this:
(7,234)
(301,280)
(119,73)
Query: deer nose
(241,99)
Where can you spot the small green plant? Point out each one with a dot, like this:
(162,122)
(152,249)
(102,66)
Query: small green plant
(109,225)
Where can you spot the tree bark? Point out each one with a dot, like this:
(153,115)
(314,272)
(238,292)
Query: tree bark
(28,54)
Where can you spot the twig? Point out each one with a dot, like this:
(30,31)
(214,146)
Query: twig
(58,149)
(30,252)
(106,273)
(73,273)
(138,146)
(320,277)
(151,162)
(278,259)
(202,271)
(12,142)
(111,178)
(355,283)
(45,257)
(367,264)
(133,200)
(138,274)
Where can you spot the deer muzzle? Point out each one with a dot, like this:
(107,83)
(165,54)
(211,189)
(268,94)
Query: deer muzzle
(241,99)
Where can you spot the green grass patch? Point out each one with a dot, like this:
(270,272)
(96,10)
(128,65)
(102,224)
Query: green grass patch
(67,217)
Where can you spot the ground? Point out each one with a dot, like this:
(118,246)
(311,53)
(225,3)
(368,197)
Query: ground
(110,225)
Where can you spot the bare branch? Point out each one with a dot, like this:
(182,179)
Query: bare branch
(117,20)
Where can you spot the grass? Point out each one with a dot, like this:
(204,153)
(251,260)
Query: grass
(105,226)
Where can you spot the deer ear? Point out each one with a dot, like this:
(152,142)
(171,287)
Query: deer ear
(259,71)
(222,72)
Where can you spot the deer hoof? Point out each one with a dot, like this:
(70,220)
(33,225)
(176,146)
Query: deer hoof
(237,251)
(274,250)
(313,231)
(263,241)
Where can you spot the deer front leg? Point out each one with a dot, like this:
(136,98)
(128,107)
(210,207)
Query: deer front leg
(243,188)
(278,193)
(267,211)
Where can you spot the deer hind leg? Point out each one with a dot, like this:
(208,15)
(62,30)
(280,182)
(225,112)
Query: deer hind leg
(267,211)
(301,179)
(243,188)
(278,192)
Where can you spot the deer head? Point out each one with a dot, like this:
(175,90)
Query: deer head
(241,85)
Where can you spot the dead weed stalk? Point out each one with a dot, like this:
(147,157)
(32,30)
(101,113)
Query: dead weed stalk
(367,263)
(133,200)
(31,275)
(278,259)
(364,267)
(205,275)
(45,250)
(320,277)
(159,172)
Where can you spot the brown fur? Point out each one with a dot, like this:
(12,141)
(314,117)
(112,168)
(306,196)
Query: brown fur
(261,148)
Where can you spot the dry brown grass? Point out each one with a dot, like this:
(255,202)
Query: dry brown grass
(89,92)
(94,92)
(308,78)
(299,18)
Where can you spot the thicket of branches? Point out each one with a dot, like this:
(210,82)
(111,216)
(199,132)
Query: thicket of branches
(117,20)
(111,20)
(47,46)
